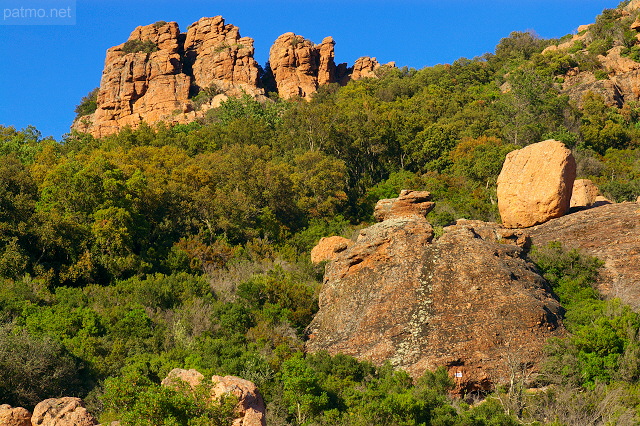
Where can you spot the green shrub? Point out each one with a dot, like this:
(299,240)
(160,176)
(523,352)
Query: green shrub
(36,368)
(135,46)
(159,24)
(88,104)
(571,274)
(205,95)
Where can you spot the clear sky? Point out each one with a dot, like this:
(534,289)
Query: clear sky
(46,69)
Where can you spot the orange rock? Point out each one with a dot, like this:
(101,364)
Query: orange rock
(17,416)
(218,56)
(156,86)
(250,410)
(535,184)
(584,193)
(409,203)
(294,63)
(328,248)
(65,411)
(468,301)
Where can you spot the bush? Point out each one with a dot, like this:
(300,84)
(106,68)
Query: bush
(88,104)
(135,46)
(571,274)
(33,369)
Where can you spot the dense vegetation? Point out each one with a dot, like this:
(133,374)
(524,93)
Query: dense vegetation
(187,246)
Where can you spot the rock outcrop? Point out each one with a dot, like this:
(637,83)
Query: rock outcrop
(610,232)
(219,57)
(328,248)
(535,184)
(18,416)
(295,62)
(468,301)
(152,76)
(65,411)
(156,74)
(250,409)
(584,193)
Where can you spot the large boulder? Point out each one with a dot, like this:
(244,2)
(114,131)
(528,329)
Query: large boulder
(250,409)
(610,232)
(65,411)
(468,301)
(18,416)
(535,184)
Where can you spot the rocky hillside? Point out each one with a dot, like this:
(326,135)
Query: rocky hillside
(162,74)
(469,300)
(602,57)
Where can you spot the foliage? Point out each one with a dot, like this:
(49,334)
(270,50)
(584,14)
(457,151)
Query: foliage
(136,46)
(35,368)
(136,401)
(88,104)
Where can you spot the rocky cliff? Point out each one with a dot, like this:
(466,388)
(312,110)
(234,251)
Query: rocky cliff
(468,301)
(162,74)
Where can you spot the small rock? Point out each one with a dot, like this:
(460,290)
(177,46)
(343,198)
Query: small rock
(584,193)
(65,411)
(409,203)
(17,416)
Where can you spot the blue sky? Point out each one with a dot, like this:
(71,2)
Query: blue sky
(46,69)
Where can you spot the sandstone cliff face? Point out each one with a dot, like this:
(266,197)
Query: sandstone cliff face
(218,56)
(298,66)
(468,301)
(156,86)
(158,82)
(610,232)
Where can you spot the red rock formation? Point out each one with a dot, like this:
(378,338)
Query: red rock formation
(17,416)
(535,184)
(409,203)
(156,86)
(468,301)
(65,411)
(250,410)
(218,56)
(157,79)
(295,62)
